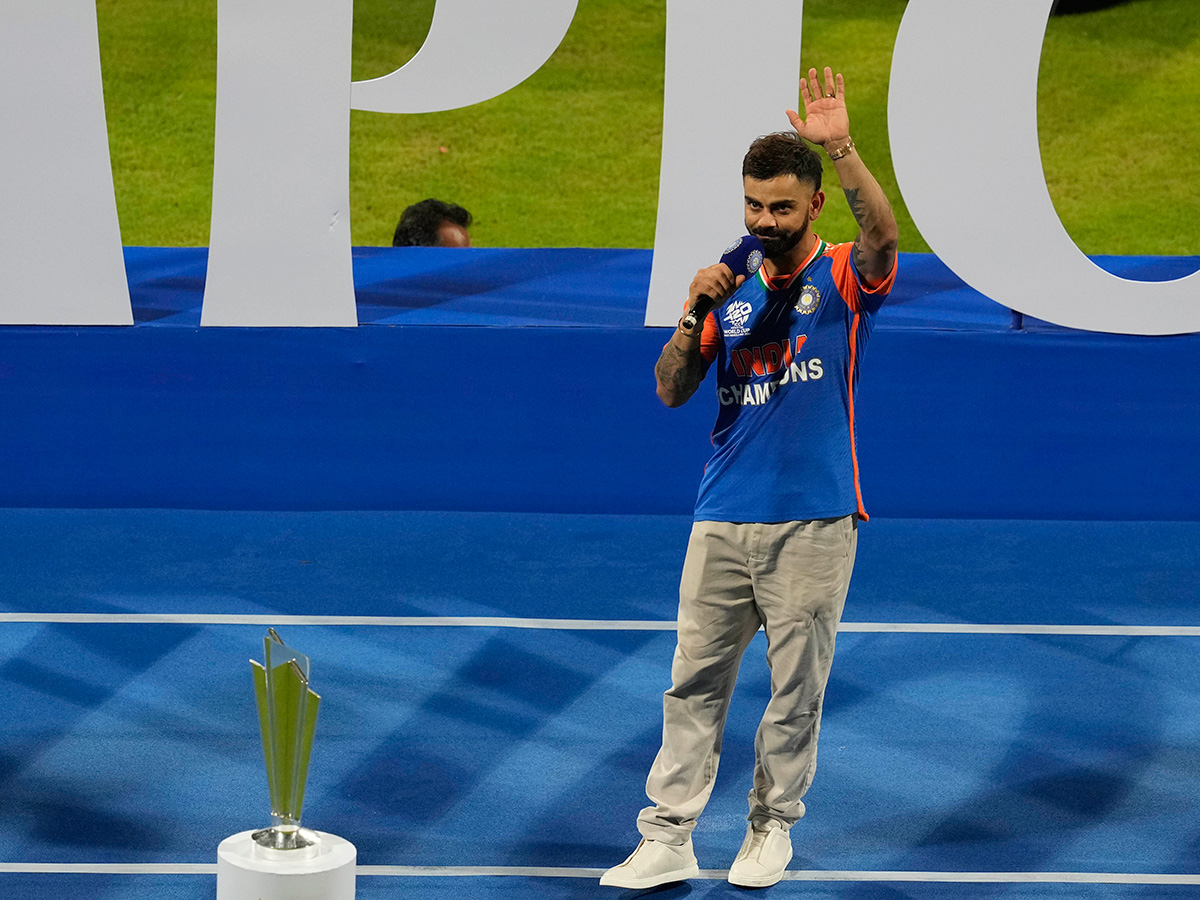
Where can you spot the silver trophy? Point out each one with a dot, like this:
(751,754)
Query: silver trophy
(287,712)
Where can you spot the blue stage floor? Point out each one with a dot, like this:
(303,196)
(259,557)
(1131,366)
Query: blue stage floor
(472,745)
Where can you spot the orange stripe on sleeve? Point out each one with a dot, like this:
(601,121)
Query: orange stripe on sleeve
(843,276)
(710,335)
(862,512)
(710,338)
(847,280)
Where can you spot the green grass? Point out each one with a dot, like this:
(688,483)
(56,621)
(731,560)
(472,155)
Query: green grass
(1119,93)
(568,158)
(571,156)
(160,85)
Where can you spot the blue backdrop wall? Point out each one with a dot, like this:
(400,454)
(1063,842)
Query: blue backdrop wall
(543,400)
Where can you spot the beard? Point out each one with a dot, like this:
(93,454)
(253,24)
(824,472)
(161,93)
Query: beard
(777,242)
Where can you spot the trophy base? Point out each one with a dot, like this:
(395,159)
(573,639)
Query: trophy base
(248,871)
(286,843)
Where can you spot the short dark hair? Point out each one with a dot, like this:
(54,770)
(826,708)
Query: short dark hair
(418,226)
(782,153)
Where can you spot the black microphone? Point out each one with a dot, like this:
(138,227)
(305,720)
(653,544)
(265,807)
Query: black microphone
(744,257)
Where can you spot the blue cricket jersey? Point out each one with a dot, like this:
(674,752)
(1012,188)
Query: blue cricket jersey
(786,352)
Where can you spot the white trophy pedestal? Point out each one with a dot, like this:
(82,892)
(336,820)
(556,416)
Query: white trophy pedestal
(246,872)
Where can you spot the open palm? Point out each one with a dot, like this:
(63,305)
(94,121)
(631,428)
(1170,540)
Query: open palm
(825,116)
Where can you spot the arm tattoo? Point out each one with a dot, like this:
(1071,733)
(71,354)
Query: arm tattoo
(679,370)
(860,256)
(857,206)
(878,250)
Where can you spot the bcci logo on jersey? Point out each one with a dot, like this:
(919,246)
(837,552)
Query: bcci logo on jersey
(737,314)
(810,298)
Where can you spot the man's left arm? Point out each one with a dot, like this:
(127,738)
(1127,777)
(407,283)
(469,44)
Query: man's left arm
(827,123)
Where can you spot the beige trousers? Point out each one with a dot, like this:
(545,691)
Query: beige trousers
(791,578)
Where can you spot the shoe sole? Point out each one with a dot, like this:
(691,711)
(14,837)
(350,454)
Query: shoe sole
(651,881)
(762,881)
(756,881)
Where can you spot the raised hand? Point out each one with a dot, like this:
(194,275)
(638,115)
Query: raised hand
(826,120)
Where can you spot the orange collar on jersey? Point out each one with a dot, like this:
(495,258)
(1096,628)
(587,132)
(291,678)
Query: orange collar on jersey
(779,282)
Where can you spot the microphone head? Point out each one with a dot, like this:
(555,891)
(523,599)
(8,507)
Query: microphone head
(744,256)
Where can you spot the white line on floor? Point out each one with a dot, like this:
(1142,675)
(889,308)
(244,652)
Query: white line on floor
(576,624)
(108,868)
(801,875)
(403,621)
(551,872)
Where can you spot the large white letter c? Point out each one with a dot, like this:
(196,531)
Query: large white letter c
(963,122)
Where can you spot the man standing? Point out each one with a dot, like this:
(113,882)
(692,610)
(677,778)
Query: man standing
(775,528)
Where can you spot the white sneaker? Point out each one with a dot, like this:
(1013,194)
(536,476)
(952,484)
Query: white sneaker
(653,863)
(764,856)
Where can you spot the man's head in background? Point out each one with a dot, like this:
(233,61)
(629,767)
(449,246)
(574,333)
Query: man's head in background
(433,223)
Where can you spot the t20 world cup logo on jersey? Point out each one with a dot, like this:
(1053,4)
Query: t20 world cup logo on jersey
(737,314)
